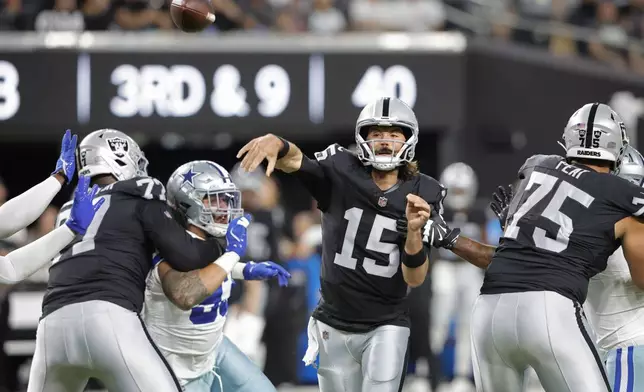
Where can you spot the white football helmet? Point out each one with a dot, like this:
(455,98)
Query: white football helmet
(386,112)
(462,186)
(595,131)
(632,167)
(108,151)
(195,181)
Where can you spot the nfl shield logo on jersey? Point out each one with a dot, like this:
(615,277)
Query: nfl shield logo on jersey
(382,201)
(325,335)
(118,146)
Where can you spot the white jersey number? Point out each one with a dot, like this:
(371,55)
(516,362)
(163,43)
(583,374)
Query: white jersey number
(380,223)
(552,211)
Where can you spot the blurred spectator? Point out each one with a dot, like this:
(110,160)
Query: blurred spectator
(62,15)
(99,14)
(325,18)
(290,19)
(10,15)
(584,15)
(142,14)
(609,46)
(634,22)
(397,15)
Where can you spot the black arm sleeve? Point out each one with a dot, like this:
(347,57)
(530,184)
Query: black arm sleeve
(314,178)
(182,251)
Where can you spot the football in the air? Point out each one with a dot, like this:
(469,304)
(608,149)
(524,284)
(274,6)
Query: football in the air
(192,16)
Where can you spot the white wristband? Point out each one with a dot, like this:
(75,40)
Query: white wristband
(227,261)
(238,271)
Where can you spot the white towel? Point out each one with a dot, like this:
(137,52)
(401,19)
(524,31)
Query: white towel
(313,345)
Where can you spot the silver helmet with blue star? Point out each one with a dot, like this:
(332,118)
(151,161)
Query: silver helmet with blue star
(206,195)
(632,167)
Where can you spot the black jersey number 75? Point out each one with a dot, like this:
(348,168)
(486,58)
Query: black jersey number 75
(525,216)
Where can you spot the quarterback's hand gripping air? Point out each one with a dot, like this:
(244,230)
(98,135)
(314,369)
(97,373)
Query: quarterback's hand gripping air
(237,234)
(266,270)
(66,163)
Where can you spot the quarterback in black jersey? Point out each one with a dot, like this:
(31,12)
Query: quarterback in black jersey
(91,325)
(567,216)
(361,326)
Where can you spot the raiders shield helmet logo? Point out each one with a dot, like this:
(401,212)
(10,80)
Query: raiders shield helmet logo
(118,146)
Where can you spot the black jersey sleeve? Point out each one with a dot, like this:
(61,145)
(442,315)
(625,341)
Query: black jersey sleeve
(627,196)
(316,174)
(174,244)
(433,193)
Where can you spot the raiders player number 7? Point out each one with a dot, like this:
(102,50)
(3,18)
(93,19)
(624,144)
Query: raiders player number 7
(151,189)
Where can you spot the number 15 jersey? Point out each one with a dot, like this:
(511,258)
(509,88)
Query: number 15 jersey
(361,279)
(560,229)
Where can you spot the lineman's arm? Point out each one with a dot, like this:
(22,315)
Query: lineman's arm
(182,251)
(24,209)
(188,289)
(22,263)
(631,231)
(474,252)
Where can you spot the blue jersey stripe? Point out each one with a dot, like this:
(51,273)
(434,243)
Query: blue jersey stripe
(618,369)
(631,370)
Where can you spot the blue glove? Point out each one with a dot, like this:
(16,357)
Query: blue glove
(83,210)
(236,235)
(66,164)
(266,270)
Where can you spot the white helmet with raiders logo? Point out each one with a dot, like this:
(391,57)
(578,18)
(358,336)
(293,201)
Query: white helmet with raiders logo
(462,186)
(206,196)
(386,112)
(632,167)
(108,151)
(595,131)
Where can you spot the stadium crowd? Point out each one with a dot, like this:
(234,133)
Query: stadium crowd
(612,25)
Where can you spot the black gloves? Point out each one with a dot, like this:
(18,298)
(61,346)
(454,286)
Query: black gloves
(436,232)
(501,203)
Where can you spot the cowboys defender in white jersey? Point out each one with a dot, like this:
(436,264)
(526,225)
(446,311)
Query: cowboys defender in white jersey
(360,328)
(185,312)
(615,306)
(567,217)
(91,325)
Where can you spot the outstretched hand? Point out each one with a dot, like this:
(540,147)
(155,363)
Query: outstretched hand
(501,203)
(263,147)
(266,270)
(83,209)
(66,163)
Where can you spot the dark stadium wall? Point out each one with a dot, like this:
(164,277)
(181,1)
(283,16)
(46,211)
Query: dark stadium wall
(23,163)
